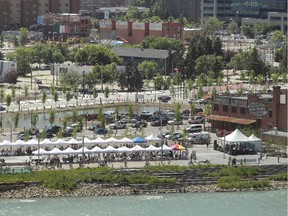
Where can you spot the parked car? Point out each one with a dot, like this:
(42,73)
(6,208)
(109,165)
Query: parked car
(201,137)
(194,128)
(157,123)
(164,98)
(175,122)
(2,108)
(21,136)
(100,131)
(118,125)
(33,131)
(73,126)
(53,129)
(45,67)
(146,115)
(139,124)
(196,120)
(174,136)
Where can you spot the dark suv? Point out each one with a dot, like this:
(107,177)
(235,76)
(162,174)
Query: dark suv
(164,98)
(53,129)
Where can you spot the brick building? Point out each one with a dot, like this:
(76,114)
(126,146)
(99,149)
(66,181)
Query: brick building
(61,26)
(261,111)
(24,13)
(134,32)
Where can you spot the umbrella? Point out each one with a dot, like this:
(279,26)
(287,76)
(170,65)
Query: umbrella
(177,147)
(139,140)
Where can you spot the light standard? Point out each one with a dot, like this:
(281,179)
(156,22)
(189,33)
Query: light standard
(224,144)
(83,83)
(161,141)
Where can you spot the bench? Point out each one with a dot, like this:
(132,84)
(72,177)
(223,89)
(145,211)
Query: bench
(246,161)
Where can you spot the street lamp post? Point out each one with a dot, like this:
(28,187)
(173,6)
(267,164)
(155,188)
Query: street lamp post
(38,150)
(224,144)
(161,141)
(83,156)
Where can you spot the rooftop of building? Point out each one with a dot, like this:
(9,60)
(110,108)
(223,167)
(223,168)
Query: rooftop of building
(141,53)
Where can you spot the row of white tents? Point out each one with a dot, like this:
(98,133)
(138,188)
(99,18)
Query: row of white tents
(97,150)
(86,141)
(238,137)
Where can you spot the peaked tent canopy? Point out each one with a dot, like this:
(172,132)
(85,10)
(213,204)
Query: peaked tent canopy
(235,136)
(126,140)
(139,140)
(46,142)
(152,148)
(41,152)
(152,137)
(254,138)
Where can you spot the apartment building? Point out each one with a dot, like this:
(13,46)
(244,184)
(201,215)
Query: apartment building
(179,8)
(227,10)
(23,13)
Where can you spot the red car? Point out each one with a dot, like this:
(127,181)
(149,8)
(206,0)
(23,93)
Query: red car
(223,133)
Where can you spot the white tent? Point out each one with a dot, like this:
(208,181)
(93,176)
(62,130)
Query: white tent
(112,140)
(99,140)
(31,142)
(152,148)
(109,149)
(46,142)
(126,140)
(41,152)
(166,148)
(55,151)
(88,141)
(73,141)
(68,150)
(19,143)
(152,137)
(59,142)
(235,137)
(96,149)
(5,143)
(257,142)
(123,149)
(81,150)
(137,148)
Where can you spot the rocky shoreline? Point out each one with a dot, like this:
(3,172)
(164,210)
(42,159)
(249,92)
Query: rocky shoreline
(86,190)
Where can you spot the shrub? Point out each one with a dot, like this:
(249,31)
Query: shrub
(279,177)
(237,183)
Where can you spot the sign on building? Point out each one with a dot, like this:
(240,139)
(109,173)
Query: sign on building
(257,109)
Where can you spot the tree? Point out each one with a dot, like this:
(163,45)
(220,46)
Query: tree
(95,94)
(23,56)
(200,92)
(2,95)
(52,114)
(248,31)
(232,27)
(275,77)
(207,63)
(277,37)
(23,37)
(8,100)
(59,134)
(132,78)
(130,110)
(255,63)
(34,119)
(65,121)
(56,97)
(74,115)
(44,98)
(26,91)
(11,76)
(16,119)
(178,114)
(13,91)
(68,97)
(211,25)
(106,92)
(95,54)
(192,109)
(148,68)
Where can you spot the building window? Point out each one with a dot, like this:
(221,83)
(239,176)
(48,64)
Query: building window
(270,113)
(225,108)
(243,110)
(234,109)
(216,107)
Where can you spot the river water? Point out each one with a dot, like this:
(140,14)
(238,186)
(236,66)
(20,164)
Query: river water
(264,203)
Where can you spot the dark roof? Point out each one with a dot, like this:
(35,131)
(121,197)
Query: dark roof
(230,119)
(141,53)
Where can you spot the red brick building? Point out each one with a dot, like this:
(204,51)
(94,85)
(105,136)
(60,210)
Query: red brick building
(24,13)
(134,32)
(260,111)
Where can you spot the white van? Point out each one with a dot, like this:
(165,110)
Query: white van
(201,137)
(193,128)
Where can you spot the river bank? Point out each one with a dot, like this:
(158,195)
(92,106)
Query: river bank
(87,190)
